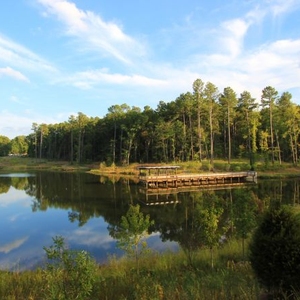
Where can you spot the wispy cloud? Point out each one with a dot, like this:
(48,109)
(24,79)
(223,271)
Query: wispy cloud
(88,79)
(15,100)
(93,32)
(9,72)
(13,54)
(227,60)
(279,7)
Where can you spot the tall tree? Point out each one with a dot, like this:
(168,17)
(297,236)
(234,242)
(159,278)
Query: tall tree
(248,119)
(198,87)
(288,119)
(211,95)
(132,125)
(147,133)
(268,98)
(228,101)
(43,129)
(186,104)
(116,113)
(72,125)
(35,130)
(81,122)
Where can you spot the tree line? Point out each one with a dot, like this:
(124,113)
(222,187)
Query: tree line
(204,124)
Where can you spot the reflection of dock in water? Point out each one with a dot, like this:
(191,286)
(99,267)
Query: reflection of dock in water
(161,185)
(163,196)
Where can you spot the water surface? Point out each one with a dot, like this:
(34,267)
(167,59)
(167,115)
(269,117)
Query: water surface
(35,207)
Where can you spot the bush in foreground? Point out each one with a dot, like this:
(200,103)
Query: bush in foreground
(275,251)
(70,274)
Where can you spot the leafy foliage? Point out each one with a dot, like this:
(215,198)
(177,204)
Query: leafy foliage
(70,274)
(4,145)
(195,126)
(275,250)
(132,231)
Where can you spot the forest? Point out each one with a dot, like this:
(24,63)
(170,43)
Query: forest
(204,124)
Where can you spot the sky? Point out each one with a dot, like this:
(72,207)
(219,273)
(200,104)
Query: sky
(61,57)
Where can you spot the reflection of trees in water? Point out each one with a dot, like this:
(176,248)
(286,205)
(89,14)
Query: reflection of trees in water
(80,217)
(244,214)
(84,195)
(198,224)
(19,183)
(5,183)
(283,191)
(199,220)
(207,218)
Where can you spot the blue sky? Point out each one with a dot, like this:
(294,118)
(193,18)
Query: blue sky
(61,57)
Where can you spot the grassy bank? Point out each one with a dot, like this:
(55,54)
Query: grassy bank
(16,164)
(160,276)
(285,170)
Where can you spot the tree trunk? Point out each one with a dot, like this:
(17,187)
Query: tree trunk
(229,135)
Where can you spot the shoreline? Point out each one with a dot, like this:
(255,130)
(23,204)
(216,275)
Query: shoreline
(16,164)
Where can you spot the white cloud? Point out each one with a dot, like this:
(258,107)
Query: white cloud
(88,79)
(93,32)
(14,54)
(279,7)
(250,68)
(275,64)
(12,125)
(233,35)
(13,73)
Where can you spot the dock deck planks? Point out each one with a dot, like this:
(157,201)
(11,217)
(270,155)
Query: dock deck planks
(166,176)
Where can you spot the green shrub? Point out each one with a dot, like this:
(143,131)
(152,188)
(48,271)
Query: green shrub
(70,274)
(275,251)
(132,232)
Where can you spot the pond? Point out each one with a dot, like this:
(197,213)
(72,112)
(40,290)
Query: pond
(36,207)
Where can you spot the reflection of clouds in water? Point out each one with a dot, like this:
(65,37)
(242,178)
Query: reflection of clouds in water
(18,175)
(15,217)
(97,236)
(15,196)
(154,241)
(92,236)
(13,245)
(23,259)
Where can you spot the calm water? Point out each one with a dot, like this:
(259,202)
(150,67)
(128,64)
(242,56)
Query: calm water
(35,207)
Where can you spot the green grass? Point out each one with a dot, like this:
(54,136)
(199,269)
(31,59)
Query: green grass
(160,276)
(11,164)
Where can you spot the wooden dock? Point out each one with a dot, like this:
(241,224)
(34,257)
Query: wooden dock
(168,177)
